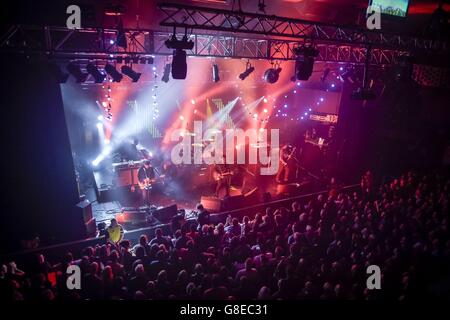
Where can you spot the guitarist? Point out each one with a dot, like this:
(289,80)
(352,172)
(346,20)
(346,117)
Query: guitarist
(221,174)
(288,165)
(146,174)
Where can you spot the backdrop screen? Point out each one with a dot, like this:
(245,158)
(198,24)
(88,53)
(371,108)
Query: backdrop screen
(396,8)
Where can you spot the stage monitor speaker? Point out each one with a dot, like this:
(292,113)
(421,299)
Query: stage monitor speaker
(165,214)
(233,202)
(291,189)
(251,198)
(212,204)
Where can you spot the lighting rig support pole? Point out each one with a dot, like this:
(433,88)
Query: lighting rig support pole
(366,67)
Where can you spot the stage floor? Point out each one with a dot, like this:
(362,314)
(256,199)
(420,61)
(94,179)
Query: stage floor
(185,195)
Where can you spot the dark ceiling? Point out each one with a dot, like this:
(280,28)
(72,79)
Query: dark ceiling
(342,12)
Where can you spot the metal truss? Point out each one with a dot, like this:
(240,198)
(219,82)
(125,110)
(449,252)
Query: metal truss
(99,44)
(192,17)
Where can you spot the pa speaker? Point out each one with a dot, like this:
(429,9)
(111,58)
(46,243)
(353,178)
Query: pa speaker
(179,65)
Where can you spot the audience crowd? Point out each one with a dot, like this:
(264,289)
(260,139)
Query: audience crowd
(319,249)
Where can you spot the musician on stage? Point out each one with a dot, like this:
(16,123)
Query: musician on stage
(221,174)
(129,151)
(288,169)
(146,174)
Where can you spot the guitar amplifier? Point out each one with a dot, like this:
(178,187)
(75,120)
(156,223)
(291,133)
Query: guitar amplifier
(127,176)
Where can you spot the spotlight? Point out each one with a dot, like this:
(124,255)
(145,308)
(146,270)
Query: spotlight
(129,72)
(303,67)
(166,74)
(112,71)
(100,118)
(95,73)
(271,75)
(325,73)
(76,72)
(215,72)
(179,65)
(249,69)
(304,62)
(58,74)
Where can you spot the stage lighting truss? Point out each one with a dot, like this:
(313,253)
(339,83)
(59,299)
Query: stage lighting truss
(212,19)
(98,44)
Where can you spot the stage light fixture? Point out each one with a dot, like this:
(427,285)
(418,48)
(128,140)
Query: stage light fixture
(166,73)
(271,75)
(179,65)
(95,73)
(304,61)
(248,70)
(215,73)
(114,74)
(58,74)
(75,71)
(129,72)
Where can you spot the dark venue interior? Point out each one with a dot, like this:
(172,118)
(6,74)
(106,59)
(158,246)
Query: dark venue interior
(225,150)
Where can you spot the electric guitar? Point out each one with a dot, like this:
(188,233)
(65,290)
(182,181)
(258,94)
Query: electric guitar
(284,162)
(147,183)
(219,176)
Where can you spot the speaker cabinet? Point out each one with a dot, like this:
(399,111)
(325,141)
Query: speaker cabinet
(85,207)
(165,214)
(212,204)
